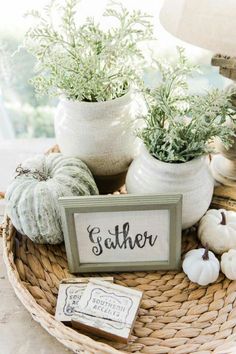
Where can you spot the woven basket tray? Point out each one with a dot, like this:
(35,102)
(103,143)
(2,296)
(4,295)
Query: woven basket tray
(176,316)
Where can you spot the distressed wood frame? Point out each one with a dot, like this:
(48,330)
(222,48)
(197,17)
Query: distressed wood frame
(71,205)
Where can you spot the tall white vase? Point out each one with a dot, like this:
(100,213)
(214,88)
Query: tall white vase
(191,179)
(99,133)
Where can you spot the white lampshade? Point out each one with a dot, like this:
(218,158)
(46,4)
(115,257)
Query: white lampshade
(210,24)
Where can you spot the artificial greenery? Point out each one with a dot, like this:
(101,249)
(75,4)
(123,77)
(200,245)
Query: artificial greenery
(84,61)
(179,126)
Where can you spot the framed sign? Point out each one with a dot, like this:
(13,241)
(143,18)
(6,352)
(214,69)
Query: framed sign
(122,232)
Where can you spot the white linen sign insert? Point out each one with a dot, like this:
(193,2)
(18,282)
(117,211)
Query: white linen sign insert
(123,236)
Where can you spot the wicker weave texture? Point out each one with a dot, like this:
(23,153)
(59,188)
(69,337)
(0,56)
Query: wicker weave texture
(176,316)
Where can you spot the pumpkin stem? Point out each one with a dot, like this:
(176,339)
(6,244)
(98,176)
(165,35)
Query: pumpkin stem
(35,174)
(223,221)
(205,255)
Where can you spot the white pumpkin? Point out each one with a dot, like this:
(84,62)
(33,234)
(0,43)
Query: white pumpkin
(228,264)
(217,228)
(32,197)
(201,266)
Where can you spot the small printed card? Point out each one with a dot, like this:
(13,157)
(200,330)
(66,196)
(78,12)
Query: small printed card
(107,309)
(70,292)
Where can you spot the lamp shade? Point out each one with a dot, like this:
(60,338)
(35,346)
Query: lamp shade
(210,24)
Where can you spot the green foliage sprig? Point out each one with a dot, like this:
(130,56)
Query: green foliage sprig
(180,126)
(83,61)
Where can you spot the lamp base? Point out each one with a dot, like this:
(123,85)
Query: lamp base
(223,170)
(223,167)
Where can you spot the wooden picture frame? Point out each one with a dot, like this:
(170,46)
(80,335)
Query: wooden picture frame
(94,245)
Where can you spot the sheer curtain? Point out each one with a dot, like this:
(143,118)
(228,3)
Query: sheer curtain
(6,129)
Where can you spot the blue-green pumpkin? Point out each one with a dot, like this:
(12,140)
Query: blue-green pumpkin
(32,197)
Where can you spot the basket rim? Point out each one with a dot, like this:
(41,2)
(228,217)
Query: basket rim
(70,338)
(223,339)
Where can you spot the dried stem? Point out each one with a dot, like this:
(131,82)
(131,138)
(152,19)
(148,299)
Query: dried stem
(205,256)
(35,174)
(223,221)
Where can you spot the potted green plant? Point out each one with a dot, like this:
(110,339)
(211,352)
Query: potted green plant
(95,72)
(179,128)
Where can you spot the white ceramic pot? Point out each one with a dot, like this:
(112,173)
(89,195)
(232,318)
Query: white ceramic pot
(99,133)
(191,179)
